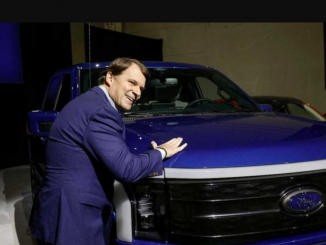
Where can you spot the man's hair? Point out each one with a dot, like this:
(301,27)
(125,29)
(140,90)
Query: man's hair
(119,65)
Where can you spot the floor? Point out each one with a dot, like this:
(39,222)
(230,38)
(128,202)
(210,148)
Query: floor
(15,206)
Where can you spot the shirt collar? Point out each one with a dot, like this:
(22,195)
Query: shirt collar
(108,96)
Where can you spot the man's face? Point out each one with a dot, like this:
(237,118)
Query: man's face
(125,89)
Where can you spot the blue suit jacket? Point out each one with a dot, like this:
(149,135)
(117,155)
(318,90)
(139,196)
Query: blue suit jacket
(85,153)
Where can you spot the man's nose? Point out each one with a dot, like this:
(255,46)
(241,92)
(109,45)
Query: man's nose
(137,91)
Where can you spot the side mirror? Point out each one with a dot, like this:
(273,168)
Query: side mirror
(266,107)
(39,123)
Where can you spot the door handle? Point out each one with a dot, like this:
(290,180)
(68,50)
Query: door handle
(43,140)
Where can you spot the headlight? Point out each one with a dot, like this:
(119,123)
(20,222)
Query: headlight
(149,209)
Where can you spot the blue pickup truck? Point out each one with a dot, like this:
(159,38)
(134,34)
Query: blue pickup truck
(247,176)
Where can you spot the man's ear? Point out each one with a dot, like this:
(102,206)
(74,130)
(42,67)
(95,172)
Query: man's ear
(108,78)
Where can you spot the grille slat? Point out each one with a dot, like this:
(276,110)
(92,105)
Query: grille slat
(228,207)
(214,216)
(240,225)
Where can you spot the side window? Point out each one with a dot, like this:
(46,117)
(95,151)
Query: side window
(64,93)
(210,90)
(189,90)
(84,79)
(207,88)
(298,110)
(278,108)
(304,111)
(51,95)
(58,93)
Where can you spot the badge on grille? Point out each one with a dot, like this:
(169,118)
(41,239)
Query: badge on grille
(302,201)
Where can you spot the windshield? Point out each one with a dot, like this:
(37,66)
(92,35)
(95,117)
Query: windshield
(183,91)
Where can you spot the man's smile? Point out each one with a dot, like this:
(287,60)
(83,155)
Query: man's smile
(130,98)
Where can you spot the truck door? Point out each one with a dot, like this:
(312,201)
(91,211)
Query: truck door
(58,94)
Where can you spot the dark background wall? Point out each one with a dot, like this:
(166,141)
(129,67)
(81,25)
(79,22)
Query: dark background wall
(45,48)
(106,45)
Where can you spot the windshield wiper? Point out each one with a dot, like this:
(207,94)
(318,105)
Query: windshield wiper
(229,111)
(151,114)
(138,114)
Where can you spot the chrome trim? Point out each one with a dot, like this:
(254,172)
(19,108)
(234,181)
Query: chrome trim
(250,171)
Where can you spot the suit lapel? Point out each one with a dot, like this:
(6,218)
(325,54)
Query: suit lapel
(100,92)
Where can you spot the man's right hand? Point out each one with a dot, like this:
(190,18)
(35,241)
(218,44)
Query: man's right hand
(171,147)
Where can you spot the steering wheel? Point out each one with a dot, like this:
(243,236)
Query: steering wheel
(198,100)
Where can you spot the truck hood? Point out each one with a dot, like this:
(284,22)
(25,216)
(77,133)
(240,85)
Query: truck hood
(231,140)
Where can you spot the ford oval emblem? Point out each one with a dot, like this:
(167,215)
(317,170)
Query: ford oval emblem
(302,201)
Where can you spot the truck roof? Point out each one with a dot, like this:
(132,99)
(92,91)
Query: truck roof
(148,64)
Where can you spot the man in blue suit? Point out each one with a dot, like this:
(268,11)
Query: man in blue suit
(86,152)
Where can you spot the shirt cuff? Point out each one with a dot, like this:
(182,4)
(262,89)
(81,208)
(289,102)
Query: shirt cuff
(163,152)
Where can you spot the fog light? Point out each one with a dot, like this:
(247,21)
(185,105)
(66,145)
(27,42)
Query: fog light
(149,209)
(145,208)
(147,221)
